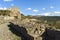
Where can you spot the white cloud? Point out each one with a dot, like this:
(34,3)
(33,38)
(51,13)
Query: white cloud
(57,12)
(46,14)
(35,10)
(3,8)
(21,12)
(51,7)
(7,0)
(29,9)
(43,8)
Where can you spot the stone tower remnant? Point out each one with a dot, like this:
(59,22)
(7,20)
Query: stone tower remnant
(15,11)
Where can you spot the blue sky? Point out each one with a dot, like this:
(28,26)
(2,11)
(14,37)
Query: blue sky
(34,7)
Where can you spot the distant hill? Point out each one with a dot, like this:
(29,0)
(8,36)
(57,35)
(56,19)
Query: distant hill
(53,21)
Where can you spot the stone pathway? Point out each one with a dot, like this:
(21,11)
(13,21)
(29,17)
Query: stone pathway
(6,34)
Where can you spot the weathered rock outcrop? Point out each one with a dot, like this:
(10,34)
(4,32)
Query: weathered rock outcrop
(33,28)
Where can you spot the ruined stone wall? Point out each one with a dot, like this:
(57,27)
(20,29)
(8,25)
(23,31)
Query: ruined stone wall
(15,11)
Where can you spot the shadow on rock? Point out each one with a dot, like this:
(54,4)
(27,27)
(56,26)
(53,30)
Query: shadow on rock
(51,35)
(20,31)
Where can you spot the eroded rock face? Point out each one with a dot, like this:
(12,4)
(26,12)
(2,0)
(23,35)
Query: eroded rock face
(34,29)
(15,12)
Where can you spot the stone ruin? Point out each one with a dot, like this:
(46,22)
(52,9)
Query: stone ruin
(15,12)
(34,29)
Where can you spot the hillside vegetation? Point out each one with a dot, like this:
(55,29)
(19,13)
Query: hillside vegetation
(4,12)
(53,21)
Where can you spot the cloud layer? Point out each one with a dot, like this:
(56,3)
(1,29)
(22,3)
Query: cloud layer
(29,9)
(55,13)
(35,10)
(3,8)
